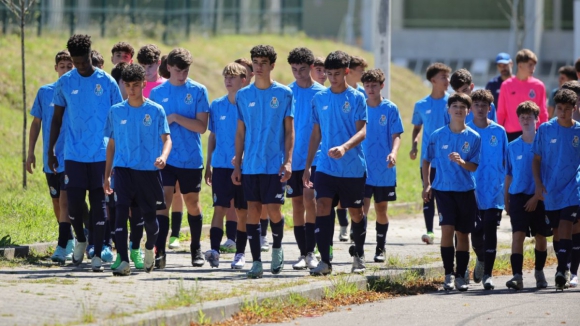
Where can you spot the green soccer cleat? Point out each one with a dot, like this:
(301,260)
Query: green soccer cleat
(137,259)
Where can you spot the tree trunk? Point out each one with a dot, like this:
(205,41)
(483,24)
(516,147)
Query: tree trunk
(22,52)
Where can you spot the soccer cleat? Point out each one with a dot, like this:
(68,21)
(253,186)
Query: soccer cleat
(160,260)
(561,281)
(449,282)
(213,258)
(358,263)
(428,238)
(97,264)
(117,262)
(197,259)
(330,254)
(124,269)
(541,282)
(277,261)
(174,243)
(311,261)
(488,282)
(90,251)
(149,261)
(256,271)
(379,256)
(107,254)
(70,247)
(264,244)
(228,246)
(300,264)
(516,283)
(343,235)
(59,255)
(573,280)
(317,253)
(239,261)
(136,258)
(322,269)
(460,284)
(478,271)
(79,253)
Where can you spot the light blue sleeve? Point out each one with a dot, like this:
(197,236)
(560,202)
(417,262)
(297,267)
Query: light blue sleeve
(508,163)
(202,102)
(36,110)
(163,125)
(58,98)
(115,92)
(492,115)
(361,110)
(430,153)
(416,120)
(108,130)
(396,124)
(290,108)
(315,118)
(476,151)
(537,144)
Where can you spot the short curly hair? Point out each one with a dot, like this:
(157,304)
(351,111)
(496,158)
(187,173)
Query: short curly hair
(337,60)
(163,72)
(528,107)
(435,68)
(373,76)
(148,54)
(356,61)
(318,62)
(79,45)
(97,59)
(123,47)
(180,58)
(459,97)
(482,95)
(565,96)
(572,85)
(132,73)
(117,71)
(301,55)
(460,78)
(63,55)
(264,51)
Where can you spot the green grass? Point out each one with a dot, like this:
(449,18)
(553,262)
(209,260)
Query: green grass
(27,214)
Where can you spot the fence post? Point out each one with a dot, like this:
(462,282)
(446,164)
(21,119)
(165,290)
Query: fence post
(238,6)
(282,22)
(72,17)
(187,17)
(133,7)
(166,21)
(39,30)
(4,20)
(103,17)
(300,15)
(261,15)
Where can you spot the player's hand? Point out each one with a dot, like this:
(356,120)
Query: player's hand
(285,171)
(306,179)
(237,176)
(30,163)
(171,118)
(455,157)
(531,204)
(208,175)
(107,186)
(427,193)
(337,152)
(540,191)
(413,154)
(160,162)
(52,162)
(392,159)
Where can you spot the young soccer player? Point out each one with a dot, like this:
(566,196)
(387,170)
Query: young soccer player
(122,52)
(163,72)
(149,57)
(381,146)
(42,111)
(265,140)
(223,121)
(97,59)
(340,117)
(527,214)
(462,82)
(318,73)
(430,112)
(357,67)
(134,128)
(565,74)
(116,74)
(489,177)
(249,70)
(187,107)
(303,201)
(85,95)
(556,151)
(455,147)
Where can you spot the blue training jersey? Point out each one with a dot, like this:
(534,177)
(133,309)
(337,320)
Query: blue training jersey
(136,132)
(490,175)
(263,112)
(559,148)
(519,167)
(43,109)
(492,115)
(450,176)
(186,100)
(383,121)
(361,89)
(303,122)
(431,114)
(223,123)
(337,114)
(87,101)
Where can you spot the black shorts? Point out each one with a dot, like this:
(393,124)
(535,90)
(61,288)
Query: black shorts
(55,184)
(86,176)
(141,188)
(381,194)
(350,191)
(189,179)
(457,208)
(224,190)
(263,188)
(294,185)
(567,214)
(531,223)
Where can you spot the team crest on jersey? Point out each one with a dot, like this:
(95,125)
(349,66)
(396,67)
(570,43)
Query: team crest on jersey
(346,107)
(66,179)
(147,120)
(383,120)
(98,90)
(52,191)
(493,141)
(532,93)
(575,141)
(188,99)
(289,190)
(274,104)
(465,148)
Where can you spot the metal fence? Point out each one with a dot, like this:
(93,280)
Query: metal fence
(165,19)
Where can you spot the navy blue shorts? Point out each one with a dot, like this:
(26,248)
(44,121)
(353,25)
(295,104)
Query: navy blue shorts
(224,190)
(189,179)
(381,194)
(143,189)
(55,184)
(531,223)
(457,208)
(294,185)
(263,188)
(350,191)
(86,176)
(567,214)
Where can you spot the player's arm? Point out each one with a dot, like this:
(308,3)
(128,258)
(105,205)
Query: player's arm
(543,116)
(426,172)
(198,124)
(392,157)
(339,151)
(286,168)
(315,138)
(240,140)
(109,166)
(501,106)
(469,166)
(55,126)
(210,148)
(415,141)
(536,171)
(32,139)
(161,161)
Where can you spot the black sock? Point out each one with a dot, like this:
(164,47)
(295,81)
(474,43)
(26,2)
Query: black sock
(137,224)
(63,234)
(277,233)
(341,214)
(152,229)
(264,226)
(176,218)
(448,257)
(215,238)
(332,217)
(113,223)
(323,237)
(462,261)
(490,243)
(563,253)
(477,243)
(556,246)
(300,235)
(241,240)
(575,255)
(163,231)
(541,257)
(121,232)
(381,236)
(310,237)
(99,214)
(428,214)
(517,261)
(107,236)
(253,232)
(359,235)
(231,230)
(195,225)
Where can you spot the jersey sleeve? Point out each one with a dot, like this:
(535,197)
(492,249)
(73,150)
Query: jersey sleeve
(108,130)
(501,105)
(508,162)
(36,110)
(492,115)
(162,123)
(504,147)
(58,97)
(430,153)
(395,123)
(315,118)
(361,109)
(289,107)
(474,154)
(239,106)
(202,102)
(212,108)
(416,120)
(115,93)
(537,144)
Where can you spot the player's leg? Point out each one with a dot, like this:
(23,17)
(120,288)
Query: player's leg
(137,224)
(231,229)
(465,206)
(98,210)
(264,221)
(540,230)
(575,255)
(190,183)
(428,213)
(309,201)
(251,190)
(478,245)
(149,197)
(351,194)
(341,214)
(223,193)
(382,226)
(491,218)
(520,221)
(176,217)
(567,218)
(60,253)
(447,220)
(272,194)
(325,189)
(123,198)
(294,191)
(77,184)
(241,206)
(169,178)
